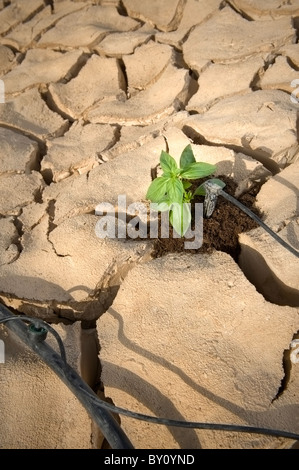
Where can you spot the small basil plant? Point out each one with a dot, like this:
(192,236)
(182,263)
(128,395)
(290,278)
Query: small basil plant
(171,191)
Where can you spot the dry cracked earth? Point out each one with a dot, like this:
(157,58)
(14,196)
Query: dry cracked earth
(91,92)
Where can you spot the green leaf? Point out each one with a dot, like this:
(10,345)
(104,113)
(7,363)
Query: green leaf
(180,218)
(186,184)
(157,189)
(175,190)
(188,196)
(161,206)
(197,170)
(187,157)
(200,191)
(168,163)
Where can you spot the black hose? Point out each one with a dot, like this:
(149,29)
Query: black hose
(213,190)
(70,377)
(105,420)
(196,424)
(37,328)
(259,221)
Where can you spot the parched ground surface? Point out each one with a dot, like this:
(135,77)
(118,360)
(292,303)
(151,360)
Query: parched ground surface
(91,92)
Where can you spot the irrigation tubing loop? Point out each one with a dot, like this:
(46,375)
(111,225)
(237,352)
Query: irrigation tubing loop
(99,410)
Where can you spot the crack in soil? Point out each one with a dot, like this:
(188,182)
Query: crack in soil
(107,288)
(51,213)
(51,226)
(104,155)
(41,144)
(287,368)
(257,154)
(17,239)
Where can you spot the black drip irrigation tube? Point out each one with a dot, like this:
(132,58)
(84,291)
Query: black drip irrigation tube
(213,190)
(34,335)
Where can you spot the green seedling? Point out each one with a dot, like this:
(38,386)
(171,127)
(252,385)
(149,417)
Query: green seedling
(171,191)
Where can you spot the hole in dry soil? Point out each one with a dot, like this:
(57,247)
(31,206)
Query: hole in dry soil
(221,230)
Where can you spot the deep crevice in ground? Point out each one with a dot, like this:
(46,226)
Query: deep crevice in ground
(266,282)
(240,12)
(287,368)
(17,240)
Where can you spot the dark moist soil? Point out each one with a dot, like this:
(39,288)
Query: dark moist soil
(221,230)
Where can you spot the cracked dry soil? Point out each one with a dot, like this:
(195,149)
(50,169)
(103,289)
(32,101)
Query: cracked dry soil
(93,91)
